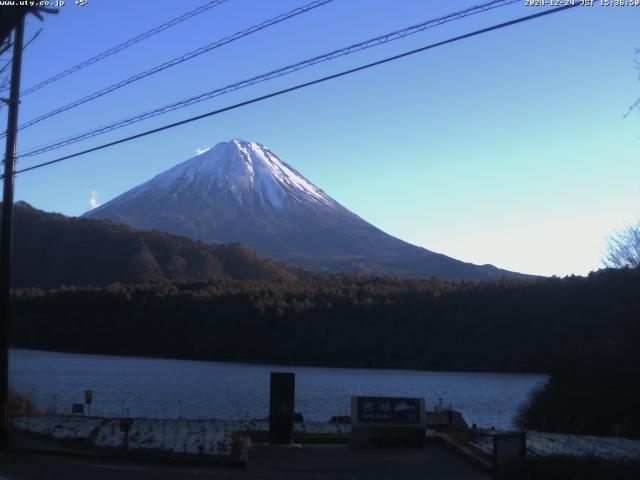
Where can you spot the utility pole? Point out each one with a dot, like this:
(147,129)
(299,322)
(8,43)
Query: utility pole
(5,235)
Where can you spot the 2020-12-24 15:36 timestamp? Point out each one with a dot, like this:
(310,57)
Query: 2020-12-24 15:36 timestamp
(582,3)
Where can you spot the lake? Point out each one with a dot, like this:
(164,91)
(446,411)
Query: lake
(165,388)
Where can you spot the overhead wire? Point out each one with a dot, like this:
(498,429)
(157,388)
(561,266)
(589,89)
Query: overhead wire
(379,40)
(8,64)
(178,60)
(301,85)
(126,44)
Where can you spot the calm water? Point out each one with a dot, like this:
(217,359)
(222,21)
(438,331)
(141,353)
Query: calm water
(180,388)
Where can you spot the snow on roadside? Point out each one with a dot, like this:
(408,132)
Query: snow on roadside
(109,435)
(321,428)
(542,444)
(182,436)
(59,426)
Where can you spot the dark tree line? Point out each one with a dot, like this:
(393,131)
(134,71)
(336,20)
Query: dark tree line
(505,325)
(583,330)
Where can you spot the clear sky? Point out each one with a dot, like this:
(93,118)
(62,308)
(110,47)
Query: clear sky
(510,148)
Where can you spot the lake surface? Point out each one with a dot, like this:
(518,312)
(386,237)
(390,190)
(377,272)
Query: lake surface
(162,388)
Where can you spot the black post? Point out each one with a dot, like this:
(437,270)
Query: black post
(5,236)
(281,402)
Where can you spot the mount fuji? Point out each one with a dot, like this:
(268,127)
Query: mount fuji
(241,191)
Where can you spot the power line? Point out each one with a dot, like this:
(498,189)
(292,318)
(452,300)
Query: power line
(8,63)
(382,39)
(183,58)
(301,85)
(124,45)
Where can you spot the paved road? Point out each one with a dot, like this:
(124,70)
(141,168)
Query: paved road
(310,462)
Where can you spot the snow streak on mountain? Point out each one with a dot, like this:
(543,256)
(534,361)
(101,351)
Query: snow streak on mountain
(241,191)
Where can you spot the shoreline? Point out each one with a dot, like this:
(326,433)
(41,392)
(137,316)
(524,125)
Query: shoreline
(307,364)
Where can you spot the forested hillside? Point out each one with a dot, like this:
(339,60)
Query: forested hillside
(50,250)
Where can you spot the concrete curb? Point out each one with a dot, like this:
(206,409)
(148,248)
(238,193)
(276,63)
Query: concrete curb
(465,451)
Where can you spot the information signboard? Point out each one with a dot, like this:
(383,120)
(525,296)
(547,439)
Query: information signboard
(387,421)
(388,410)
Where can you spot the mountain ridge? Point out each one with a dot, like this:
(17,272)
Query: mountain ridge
(241,191)
(51,249)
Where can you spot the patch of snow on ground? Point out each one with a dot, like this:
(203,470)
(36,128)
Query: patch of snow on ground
(181,436)
(321,428)
(541,444)
(193,437)
(59,426)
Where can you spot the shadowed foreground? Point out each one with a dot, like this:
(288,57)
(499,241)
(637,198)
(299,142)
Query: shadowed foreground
(309,462)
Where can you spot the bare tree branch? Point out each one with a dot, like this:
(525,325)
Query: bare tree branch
(624,248)
(635,105)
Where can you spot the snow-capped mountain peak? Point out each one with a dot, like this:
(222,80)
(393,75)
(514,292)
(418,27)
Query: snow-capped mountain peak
(241,172)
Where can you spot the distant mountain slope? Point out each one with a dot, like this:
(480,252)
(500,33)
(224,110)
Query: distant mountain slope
(52,250)
(242,192)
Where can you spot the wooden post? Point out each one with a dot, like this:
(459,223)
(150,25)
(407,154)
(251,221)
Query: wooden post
(6,234)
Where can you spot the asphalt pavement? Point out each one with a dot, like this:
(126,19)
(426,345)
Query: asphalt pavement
(315,462)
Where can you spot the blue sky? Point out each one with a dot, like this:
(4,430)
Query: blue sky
(509,148)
